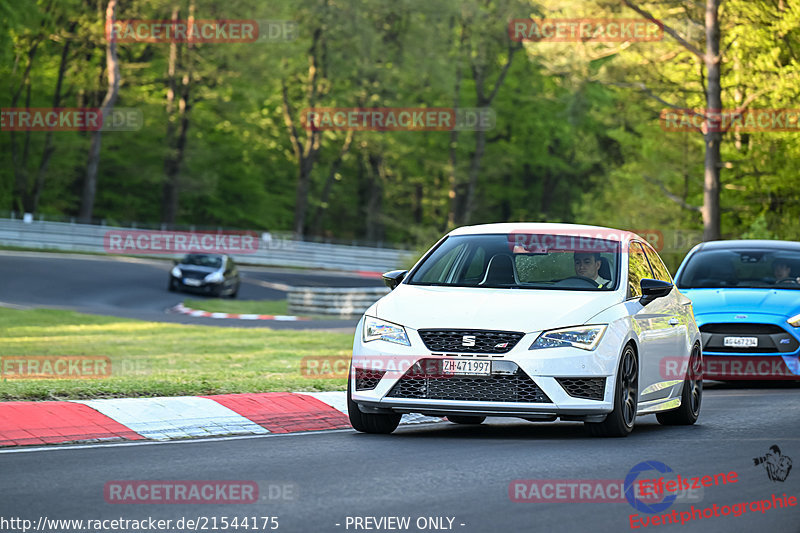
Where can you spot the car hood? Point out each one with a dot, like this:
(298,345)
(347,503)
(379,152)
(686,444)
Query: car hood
(197,268)
(523,310)
(781,302)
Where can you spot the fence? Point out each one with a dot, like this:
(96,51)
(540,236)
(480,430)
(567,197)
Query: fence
(280,252)
(339,303)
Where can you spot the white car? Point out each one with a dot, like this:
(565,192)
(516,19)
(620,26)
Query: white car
(538,321)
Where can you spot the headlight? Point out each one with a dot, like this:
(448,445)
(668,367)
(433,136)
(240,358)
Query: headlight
(215,277)
(584,337)
(176,272)
(375,329)
(795,321)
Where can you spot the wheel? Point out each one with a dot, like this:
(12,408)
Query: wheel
(619,422)
(172,287)
(370,422)
(691,397)
(235,292)
(464,419)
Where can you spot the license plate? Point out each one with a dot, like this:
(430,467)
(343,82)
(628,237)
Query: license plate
(741,342)
(193,282)
(457,367)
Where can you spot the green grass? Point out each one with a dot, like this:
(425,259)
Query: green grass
(157,359)
(258,307)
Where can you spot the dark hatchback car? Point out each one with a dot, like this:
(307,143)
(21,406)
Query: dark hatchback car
(213,274)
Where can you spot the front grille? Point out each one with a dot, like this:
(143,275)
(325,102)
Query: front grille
(742,329)
(368,379)
(193,274)
(485,341)
(517,387)
(587,388)
(771,338)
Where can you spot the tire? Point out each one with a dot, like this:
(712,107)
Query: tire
(172,287)
(691,397)
(620,421)
(370,422)
(235,292)
(465,419)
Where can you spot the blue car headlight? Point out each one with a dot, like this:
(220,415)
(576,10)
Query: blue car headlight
(375,328)
(584,337)
(794,321)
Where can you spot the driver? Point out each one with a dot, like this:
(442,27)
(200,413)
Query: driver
(587,264)
(783,272)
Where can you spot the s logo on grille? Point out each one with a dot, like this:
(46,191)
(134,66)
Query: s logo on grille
(468,340)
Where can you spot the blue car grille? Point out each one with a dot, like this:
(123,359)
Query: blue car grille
(770,338)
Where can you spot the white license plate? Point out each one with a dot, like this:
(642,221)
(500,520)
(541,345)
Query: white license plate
(458,367)
(741,342)
(193,282)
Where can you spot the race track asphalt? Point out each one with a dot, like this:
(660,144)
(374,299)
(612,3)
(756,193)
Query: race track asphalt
(137,288)
(439,470)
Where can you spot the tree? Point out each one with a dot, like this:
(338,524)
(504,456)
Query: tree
(90,183)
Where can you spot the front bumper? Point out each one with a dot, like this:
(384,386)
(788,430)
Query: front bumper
(393,378)
(774,356)
(202,286)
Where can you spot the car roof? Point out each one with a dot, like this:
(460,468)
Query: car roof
(749,243)
(541,227)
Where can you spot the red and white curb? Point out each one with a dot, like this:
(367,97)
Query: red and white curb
(182,309)
(36,423)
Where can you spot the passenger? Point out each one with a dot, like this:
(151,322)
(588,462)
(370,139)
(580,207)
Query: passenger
(783,272)
(587,264)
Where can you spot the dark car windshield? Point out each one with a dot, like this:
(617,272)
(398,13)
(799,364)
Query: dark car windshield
(522,261)
(213,261)
(742,268)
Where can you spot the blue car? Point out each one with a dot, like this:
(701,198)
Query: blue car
(746,299)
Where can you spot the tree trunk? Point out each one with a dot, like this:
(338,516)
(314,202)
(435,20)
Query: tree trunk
(20,198)
(713,136)
(319,214)
(176,145)
(49,149)
(377,176)
(305,152)
(90,183)
(455,213)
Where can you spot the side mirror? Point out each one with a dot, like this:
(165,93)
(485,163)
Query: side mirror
(393,278)
(654,288)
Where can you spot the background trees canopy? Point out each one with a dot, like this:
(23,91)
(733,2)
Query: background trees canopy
(577,138)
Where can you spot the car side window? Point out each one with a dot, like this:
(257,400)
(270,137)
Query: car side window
(476,266)
(659,269)
(638,268)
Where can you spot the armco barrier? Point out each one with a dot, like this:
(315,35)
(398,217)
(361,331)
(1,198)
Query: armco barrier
(342,303)
(275,252)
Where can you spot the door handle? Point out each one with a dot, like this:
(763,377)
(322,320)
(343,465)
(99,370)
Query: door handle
(673,321)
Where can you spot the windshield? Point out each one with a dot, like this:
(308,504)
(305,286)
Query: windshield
(742,268)
(213,261)
(517,261)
